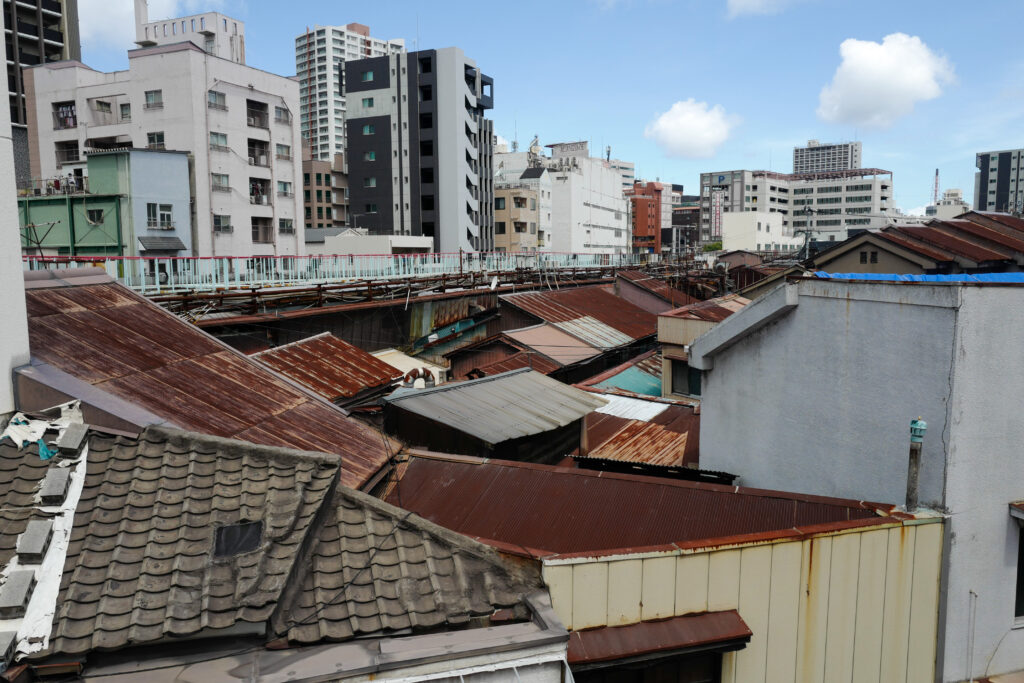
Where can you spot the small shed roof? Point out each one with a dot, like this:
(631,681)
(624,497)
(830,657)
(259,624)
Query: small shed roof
(712,310)
(500,407)
(557,345)
(329,366)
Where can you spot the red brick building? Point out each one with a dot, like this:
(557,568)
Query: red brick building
(645,206)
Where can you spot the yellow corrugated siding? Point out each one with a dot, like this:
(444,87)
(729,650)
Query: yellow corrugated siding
(856,606)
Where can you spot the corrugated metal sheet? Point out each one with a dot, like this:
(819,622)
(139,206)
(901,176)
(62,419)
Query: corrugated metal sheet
(594,332)
(712,310)
(632,408)
(640,375)
(597,303)
(127,346)
(656,286)
(522,359)
(501,407)
(913,245)
(671,438)
(567,510)
(953,243)
(697,632)
(329,366)
(557,345)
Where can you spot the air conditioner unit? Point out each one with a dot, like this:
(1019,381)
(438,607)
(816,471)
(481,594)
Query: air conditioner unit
(263,160)
(265,200)
(252,161)
(252,120)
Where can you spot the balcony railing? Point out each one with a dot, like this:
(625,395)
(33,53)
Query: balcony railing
(282,119)
(216,105)
(217,187)
(281,193)
(159,224)
(229,272)
(219,148)
(260,200)
(38,187)
(153,105)
(257,119)
(283,157)
(68,156)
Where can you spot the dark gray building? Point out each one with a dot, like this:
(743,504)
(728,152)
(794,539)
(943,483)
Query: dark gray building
(37,31)
(420,150)
(997,184)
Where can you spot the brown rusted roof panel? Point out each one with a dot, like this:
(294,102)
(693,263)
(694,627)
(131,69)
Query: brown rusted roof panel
(712,310)
(925,250)
(1016,243)
(656,286)
(522,359)
(726,630)
(671,438)
(597,302)
(329,366)
(119,342)
(565,510)
(952,243)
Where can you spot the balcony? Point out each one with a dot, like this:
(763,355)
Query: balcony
(68,156)
(257,118)
(52,35)
(258,159)
(28,29)
(50,6)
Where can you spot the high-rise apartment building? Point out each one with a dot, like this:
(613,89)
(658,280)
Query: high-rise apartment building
(821,157)
(37,32)
(236,122)
(420,150)
(320,56)
(999,182)
(835,201)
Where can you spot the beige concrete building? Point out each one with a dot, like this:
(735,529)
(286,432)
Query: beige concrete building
(516,216)
(677,329)
(324,191)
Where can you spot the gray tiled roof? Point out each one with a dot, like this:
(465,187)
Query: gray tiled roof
(332,563)
(21,472)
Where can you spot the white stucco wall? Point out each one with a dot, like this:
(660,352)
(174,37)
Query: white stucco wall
(819,401)
(14,322)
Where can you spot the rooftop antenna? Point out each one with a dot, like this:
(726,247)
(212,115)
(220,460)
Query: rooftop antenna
(608,153)
(935,190)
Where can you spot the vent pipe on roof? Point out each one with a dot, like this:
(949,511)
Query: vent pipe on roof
(917,428)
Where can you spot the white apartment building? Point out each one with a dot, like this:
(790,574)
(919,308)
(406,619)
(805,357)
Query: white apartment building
(626,169)
(833,202)
(589,214)
(212,32)
(237,123)
(759,231)
(320,56)
(819,157)
(951,205)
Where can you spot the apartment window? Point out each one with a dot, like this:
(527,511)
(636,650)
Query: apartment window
(202,23)
(499,203)
(216,100)
(126,112)
(370,182)
(221,182)
(367,101)
(284,151)
(499,227)
(94,216)
(319,179)
(427,202)
(221,223)
(425,65)
(319,196)
(218,141)
(103,107)
(305,179)
(685,380)
(366,76)
(284,189)
(369,129)
(426,93)
(320,212)
(426,175)
(426,148)
(305,196)
(285,225)
(155,140)
(282,115)
(154,99)
(533,204)
(369,156)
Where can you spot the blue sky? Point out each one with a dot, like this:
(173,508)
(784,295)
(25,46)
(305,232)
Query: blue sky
(923,85)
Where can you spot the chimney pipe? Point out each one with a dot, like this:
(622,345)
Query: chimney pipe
(917,428)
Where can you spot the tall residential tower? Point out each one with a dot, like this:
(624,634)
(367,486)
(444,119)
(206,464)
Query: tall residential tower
(821,157)
(320,56)
(999,182)
(420,150)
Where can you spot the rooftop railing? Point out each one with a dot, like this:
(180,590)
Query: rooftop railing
(153,275)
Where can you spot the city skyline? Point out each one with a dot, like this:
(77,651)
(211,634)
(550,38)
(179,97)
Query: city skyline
(786,72)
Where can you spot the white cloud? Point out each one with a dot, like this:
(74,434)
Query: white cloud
(878,83)
(738,8)
(691,129)
(110,24)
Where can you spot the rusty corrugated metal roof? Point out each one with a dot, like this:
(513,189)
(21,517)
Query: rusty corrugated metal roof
(517,361)
(501,407)
(949,242)
(639,375)
(656,286)
(596,307)
(671,438)
(329,366)
(566,510)
(712,310)
(119,342)
(709,631)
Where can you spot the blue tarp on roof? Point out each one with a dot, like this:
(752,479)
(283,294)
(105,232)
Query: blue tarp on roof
(1006,278)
